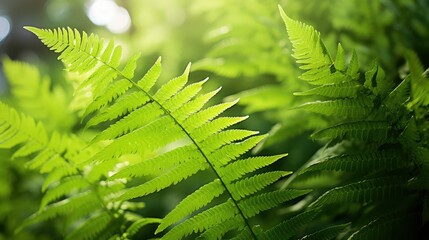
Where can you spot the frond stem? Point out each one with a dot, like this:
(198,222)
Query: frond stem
(188,135)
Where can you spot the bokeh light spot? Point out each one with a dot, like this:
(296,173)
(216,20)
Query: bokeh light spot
(107,13)
(100,12)
(121,22)
(5,27)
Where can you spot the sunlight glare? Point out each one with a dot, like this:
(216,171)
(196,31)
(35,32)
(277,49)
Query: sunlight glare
(121,22)
(5,27)
(108,13)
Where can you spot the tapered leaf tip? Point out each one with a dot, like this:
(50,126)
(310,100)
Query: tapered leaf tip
(159,59)
(187,69)
(34,30)
(283,14)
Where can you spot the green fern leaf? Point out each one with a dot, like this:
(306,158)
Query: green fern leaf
(419,80)
(169,132)
(289,227)
(37,96)
(215,141)
(204,220)
(365,191)
(311,53)
(159,163)
(340,61)
(368,162)
(92,227)
(247,186)
(150,78)
(124,104)
(136,119)
(375,79)
(349,108)
(173,176)
(117,89)
(327,233)
(399,96)
(362,130)
(137,225)
(219,230)
(184,96)
(341,90)
(230,152)
(239,168)
(191,203)
(353,69)
(254,205)
(58,174)
(67,185)
(81,204)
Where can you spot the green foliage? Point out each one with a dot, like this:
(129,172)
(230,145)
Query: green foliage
(144,143)
(368,155)
(167,131)
(37,97)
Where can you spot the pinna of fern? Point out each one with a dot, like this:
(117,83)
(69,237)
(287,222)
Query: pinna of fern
(173,137)
(67,190)
(373,142)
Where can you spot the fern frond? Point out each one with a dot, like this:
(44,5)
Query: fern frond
(376,81)
(368,162)
(191,203)
(239,168)
(118,88)
(289,227)
(67,186)
(159,163)
(247,186)
(219,230)
(37,96)
(204,220)
(58,155)
(81,204)
(172,134)
(169,178)
(369,112)
(365,191)
(16,129)
(348,108)
(123,105)
(256,204)
(215,141)
(363,130)
(58,174)
(92,227)
(311,53)
(136,119)
(419,80)
(151,76)
(228,153)
(327,233)
(340,90)
(137,225)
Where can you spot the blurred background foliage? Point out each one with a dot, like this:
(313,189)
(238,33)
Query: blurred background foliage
(240,45)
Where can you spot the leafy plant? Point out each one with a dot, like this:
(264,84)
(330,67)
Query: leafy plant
(138,137)
(164,136)
(376,141)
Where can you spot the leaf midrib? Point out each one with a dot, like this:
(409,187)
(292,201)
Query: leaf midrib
(178,124)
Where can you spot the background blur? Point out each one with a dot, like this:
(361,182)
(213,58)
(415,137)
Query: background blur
(240,45)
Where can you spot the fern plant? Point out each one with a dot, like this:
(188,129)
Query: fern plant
(365,176)
(372,28)
(162,136)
